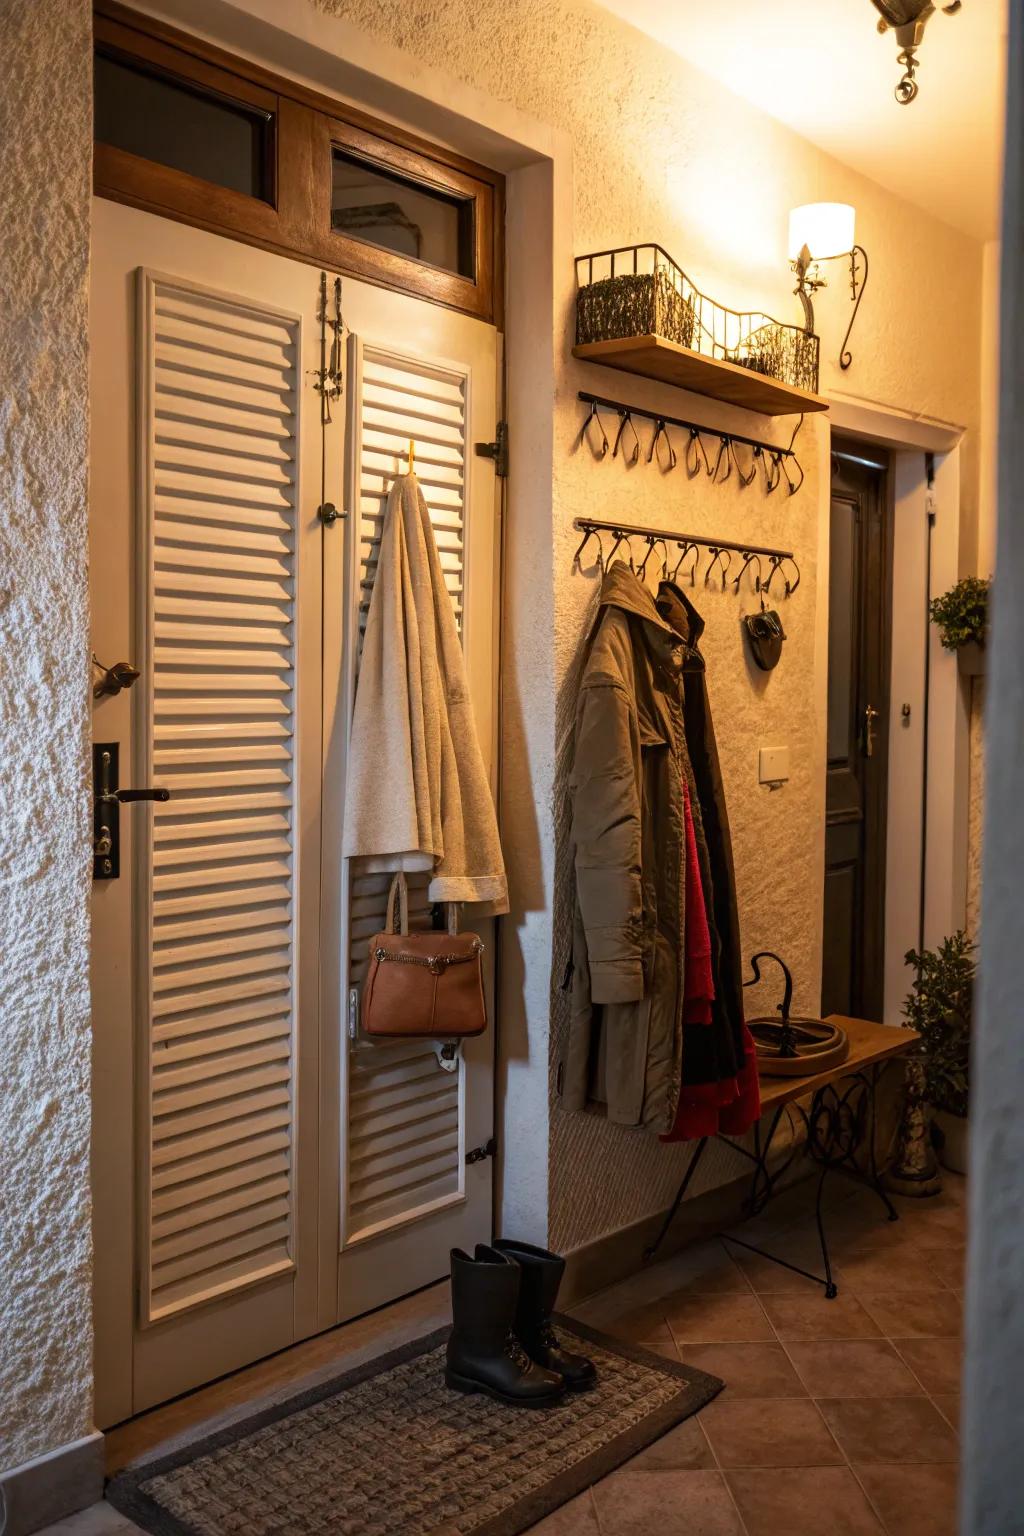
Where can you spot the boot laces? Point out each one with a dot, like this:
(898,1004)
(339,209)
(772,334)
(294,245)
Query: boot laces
(547,1334)
(516,1353)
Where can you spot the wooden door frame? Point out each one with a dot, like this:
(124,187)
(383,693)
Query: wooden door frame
(293,219)
(875,642)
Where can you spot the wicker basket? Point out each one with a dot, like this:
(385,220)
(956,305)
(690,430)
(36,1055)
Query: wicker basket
(633,304)
(638,290)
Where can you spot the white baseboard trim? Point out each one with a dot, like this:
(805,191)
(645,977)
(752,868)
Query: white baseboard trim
(50,1487)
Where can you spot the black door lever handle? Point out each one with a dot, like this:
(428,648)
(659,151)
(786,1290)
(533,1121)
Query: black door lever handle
(125,795)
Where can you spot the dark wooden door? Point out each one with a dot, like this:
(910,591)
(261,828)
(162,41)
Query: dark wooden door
(858,737)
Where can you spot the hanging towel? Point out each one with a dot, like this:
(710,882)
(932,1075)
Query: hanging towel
(417,796)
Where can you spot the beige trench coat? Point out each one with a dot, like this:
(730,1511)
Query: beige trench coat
(417,796)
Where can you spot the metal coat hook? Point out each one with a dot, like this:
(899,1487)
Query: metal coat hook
(774,474)
(595,416)
(591,533)
(722,558)
(695,451)
(641,568)
(792,586)
(625,418)
(684,547)
(751,475)
(794,485)
(622,538)
(724,450)
(661,431)
(747,561)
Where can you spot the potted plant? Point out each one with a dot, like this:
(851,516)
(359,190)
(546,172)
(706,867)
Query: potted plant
(961,615)
(939,1007)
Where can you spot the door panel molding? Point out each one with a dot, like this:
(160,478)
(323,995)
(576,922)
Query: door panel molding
(215,865)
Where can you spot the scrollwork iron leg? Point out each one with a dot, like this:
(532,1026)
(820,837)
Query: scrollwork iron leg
(691,1169)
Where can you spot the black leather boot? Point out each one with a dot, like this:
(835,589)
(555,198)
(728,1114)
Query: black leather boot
(538,1291)
(484,1354)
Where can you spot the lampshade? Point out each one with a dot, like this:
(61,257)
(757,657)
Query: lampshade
(827,229)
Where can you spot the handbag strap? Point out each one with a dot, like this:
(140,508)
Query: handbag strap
(453,918)
(399,887)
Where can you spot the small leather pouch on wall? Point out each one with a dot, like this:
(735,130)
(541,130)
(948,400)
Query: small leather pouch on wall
(765,634)
(423,985)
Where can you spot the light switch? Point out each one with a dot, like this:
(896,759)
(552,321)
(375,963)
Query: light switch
(773,765)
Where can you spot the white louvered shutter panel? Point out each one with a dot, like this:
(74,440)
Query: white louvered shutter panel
(219,432)
(405,1114)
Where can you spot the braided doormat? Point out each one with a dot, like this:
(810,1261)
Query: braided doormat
(388,1448)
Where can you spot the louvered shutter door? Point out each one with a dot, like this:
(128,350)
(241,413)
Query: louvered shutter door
(218,424)
(404,1156)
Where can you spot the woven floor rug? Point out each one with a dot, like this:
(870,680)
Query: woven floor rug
(388,1448)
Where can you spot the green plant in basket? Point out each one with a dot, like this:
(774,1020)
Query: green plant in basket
(961,614)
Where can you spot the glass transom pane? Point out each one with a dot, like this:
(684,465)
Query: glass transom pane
(432,226)
(182,126)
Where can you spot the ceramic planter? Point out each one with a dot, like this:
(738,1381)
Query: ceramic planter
(970,658)
(953,1140)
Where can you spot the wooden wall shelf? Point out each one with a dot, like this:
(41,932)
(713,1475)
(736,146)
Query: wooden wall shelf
(655,358)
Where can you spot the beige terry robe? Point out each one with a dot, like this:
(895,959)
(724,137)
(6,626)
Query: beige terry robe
(417,796)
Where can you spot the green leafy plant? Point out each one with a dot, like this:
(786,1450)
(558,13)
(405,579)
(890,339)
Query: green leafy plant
(962,613)
(939,1007)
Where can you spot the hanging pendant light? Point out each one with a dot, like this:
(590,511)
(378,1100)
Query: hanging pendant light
(907,19)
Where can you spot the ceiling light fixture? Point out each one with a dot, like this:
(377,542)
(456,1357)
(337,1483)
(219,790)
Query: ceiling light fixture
(825,232)
(907,19)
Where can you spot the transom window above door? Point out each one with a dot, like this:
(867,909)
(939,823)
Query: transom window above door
(189,131)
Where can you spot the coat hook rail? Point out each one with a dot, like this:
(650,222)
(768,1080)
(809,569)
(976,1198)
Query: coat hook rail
(661,420)
(591,525)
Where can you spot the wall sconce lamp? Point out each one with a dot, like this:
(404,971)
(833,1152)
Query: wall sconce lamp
(825,232)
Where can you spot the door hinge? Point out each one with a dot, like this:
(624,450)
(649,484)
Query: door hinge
(498,450)
(480,1154)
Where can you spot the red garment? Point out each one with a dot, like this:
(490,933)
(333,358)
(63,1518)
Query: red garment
(698,979)
(733,1105)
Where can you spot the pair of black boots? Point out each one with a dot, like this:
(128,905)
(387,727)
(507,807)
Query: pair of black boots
(502,1341)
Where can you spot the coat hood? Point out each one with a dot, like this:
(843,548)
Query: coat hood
(622,588)
(675,608)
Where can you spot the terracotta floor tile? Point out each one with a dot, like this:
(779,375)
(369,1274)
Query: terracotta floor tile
(890,1269)
(947,1262)
(948,1404)
(802,1250)
(768,1432)
(748,1370)
(665,1504)
(716,1319)
(898,1429)
(642,1325)
(938,1224)
(913,1501)
(708,1267)
(577,1518)
(910,1314)
(670,1350)
(802,1500)
(854,1368)
(683,1449)
(813,1317)
(935,1362)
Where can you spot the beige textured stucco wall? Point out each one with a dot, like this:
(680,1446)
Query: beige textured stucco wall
(45,1268)
(661,153)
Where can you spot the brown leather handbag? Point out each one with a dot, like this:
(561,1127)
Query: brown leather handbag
(427,985)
